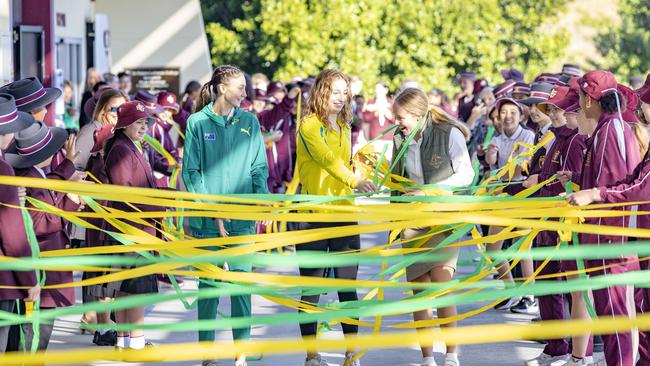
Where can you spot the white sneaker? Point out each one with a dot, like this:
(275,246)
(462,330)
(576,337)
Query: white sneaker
(579,361)
(210,363)
(507,303)
(315,361)
(451,361)
(547,360)
(428,361)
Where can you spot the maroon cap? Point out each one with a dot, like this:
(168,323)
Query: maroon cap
(504,89)
(275,86)
(645,96)
(130,112)
(260,95)
(562,97)
(479,85)
(168,100)
(598,82)
(547,78)
(149,101)
(631,102)
(246,105)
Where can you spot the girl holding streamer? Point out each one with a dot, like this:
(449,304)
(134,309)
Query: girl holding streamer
(564,155)
(436,155)
(126,165)
(612,155)
(324,152)
(224,154)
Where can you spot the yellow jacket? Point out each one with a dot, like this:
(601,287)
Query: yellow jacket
(324,159)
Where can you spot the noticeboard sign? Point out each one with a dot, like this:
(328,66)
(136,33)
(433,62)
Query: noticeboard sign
(156,79)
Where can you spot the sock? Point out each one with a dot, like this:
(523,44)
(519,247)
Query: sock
(123,341)
(428,361)
(137,342)
(452,357)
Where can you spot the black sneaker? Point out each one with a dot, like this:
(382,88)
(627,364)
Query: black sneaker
(507,303)
(109,338)
(526,306)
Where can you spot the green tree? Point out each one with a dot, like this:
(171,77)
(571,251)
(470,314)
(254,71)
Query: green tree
(427,41)
(627,47)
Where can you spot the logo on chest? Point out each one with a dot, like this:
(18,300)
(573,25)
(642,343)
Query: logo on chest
(246,131)
(436,161)
(209,136)
(556,157)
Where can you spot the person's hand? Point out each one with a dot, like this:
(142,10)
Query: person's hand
(74,198)
(78,176)
(70,148)
(492,149)
(365,186)
(584,197)
(479,150)
(276,136)
(531,181)
(172,167)
(222,230)
(414,192)
(33,293)
(564,176)
(478,110)
(294,93)
(22,193)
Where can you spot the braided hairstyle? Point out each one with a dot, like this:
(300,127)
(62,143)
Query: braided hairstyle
(221,75)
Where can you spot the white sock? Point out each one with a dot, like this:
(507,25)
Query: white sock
(428,361)
(137,342)
(451,356)
(123,341)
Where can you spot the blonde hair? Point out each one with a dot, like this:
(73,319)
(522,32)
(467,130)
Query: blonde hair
(641,134)
(415,101)
(104,99)
(320,93)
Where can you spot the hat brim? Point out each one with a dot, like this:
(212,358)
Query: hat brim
(23,121)
(51,95)
(532,100)
(174,107)
(59,135)
(158,109)
(506,100)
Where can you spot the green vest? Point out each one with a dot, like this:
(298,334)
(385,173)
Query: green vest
(434,153)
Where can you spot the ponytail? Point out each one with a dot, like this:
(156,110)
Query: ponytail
(221,75)
(641,135)
(204,98)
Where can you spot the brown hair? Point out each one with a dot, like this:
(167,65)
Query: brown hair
(641,134)
(106,97)
(320,94)
(415,101)
(221,75)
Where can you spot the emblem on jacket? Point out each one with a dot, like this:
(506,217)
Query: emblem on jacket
(436,161)
(209,136)
(246,131)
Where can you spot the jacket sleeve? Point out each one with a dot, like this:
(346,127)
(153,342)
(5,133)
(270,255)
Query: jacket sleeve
(309,134)
(123,170)
(608,159)
(259,163)
(63,171)
(635,187)
(85,143)
(13,238)
(192,170)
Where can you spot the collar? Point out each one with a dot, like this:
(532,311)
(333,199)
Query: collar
(40,171)
(544,129)
(515,134)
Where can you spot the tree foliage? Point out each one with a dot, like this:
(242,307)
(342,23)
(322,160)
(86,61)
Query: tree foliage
(627,47)
(427,41)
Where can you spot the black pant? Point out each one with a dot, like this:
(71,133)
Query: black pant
(350,272)
(8,306)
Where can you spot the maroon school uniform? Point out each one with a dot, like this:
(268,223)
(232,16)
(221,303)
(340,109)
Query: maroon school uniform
(181,118)
(372,120)
(13,240)
(280,155)
(160,165)
(566,153)
(51,231)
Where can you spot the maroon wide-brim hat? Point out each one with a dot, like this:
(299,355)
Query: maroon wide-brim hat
(34,145)
(644,88)
(132,111)
(167,100)
(149,101)
(562,97)
(539,93)
(30,94)
(100,136)
(11,119)
(505,100)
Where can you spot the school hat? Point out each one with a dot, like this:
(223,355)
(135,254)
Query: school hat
(631,102)
(547,78)
(645,87)
(100,136)
(168,100)
(596,83)
(246,105)
(11,119)
(504,89)
(30,94)
(35,144)
(275,86)
(130,112)
(539,92)
(521,88)
(506,100)
(479,85)
(260,95)
(512,74)
(562,97)
(149,101)
(571,70)
(89,106)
